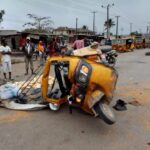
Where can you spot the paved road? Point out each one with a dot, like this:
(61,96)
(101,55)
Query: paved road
(46,130)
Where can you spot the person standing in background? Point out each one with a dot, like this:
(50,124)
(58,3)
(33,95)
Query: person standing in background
(28,50)
(6,59)
(86,42)
(79,43)
(53,47)
(46,51)
(95,47)
(40,49)
(0,59)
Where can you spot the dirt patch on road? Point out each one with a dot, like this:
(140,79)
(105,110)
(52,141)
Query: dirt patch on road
(14,116)
(135,92)
(144,122)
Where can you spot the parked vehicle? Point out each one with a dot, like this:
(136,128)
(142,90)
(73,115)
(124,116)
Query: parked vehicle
(123,45)
(111,57)
(109,53)
(147,43)
(130,44)
(138,42)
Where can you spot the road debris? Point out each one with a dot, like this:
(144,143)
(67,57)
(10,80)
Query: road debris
(8,91)
(16,106)
(10,95)
(134,103)
(120,105)
(147,53)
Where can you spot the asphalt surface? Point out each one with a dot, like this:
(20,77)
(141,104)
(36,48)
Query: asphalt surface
(47,130)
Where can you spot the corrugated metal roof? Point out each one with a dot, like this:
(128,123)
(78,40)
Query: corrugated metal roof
(8,32)
(38,33)
(74,29)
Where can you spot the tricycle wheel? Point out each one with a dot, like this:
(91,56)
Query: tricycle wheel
(105,113)
(54,107)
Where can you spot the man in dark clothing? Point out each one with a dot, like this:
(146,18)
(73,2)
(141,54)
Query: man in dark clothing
(28,50)
(86,42)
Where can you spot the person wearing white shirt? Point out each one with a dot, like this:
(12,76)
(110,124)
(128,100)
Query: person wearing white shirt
(6,59)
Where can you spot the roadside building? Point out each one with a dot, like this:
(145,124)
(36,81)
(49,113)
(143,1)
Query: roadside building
(72,31)
(12,37)
(16,39)
(35,37)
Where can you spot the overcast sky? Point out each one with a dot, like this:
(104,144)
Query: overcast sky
(64,12)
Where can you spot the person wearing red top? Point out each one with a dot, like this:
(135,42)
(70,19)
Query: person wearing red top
(40,49)
(53,47)
(22,42)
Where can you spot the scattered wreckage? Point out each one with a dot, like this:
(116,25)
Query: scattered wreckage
(24,95)
(78,81)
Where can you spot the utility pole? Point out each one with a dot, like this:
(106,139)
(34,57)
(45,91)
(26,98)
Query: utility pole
(108,28)
(94,12)
(130,28)
(147,30)
(140,30)
(117,27)
(122,29)
(76,27)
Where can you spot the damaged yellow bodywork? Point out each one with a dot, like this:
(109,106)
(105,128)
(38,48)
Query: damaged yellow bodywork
(101,84)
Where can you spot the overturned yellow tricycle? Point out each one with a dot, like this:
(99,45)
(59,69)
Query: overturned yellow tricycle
(81,83)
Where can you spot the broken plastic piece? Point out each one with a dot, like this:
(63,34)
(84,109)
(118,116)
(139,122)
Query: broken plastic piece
(120,105)
(16,106)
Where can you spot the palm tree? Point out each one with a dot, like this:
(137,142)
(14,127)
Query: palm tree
(109,24)
(2,12)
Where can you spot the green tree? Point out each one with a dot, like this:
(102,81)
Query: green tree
(2,12)
(136,33)
(85,27)
(109,24)
(40,24)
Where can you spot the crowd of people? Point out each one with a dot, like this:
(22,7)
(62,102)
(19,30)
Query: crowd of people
(40,50)
(29,49)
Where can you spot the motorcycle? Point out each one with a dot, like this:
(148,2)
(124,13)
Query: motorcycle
(109,56)
(82,83)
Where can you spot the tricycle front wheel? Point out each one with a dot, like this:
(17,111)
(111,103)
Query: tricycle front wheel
(105,113)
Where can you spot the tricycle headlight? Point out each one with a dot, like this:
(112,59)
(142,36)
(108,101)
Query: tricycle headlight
(83,75)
